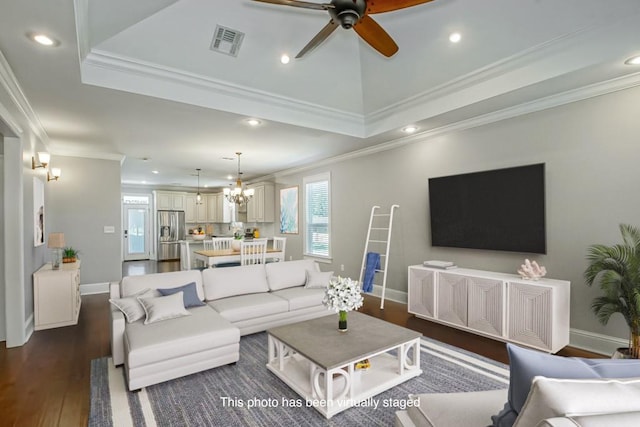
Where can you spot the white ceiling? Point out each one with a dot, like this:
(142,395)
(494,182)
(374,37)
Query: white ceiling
(138,80)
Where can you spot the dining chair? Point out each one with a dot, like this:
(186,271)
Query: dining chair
(253,252)
(185,256)
(208,245)
(279,244)
(221,243)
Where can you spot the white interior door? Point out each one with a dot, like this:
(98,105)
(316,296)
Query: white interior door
(136,239)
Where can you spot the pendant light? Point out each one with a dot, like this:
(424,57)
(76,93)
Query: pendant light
(198,195)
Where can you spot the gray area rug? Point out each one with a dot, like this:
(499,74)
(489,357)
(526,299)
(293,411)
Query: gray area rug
(222,396)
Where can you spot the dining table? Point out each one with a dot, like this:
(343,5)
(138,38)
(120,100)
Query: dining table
(222,256)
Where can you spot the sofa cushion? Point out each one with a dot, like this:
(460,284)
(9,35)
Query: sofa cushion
(162,308)
(243,307)
(231,281)
(467,409)
(620,419)
(189,291)
(317,279)
(525,364)
(300,297)
(130,306)
(130,285)
(282,275)
(552,397)
(204,329)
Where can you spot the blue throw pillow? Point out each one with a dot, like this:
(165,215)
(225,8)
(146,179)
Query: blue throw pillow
(190,294)
(524,364)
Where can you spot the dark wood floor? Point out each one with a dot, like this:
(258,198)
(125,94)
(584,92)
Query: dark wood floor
(46,381)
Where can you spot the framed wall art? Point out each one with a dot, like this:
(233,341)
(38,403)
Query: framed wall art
(289,210)
(38,212)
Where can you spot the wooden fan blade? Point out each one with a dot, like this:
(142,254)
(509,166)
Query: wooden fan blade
(381,6)
(303,4)
(376,36)
(319,38)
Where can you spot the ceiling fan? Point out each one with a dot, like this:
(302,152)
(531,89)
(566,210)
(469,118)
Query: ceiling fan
(353,14)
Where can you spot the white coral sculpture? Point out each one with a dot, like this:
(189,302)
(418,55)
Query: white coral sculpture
(531,270)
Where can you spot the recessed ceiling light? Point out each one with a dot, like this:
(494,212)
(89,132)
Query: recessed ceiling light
(43,39)
(634,60)
(155,172)
(253,122)
(285,59)
(229,177)
(410,129)
(455,37)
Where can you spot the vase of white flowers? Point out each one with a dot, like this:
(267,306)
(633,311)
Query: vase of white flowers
(342,295)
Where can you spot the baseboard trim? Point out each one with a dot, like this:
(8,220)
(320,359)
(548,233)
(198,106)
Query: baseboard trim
(597,343)
(29,327)
(390,294)
(94,288)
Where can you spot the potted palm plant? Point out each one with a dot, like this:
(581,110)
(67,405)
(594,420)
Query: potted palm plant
(616,269)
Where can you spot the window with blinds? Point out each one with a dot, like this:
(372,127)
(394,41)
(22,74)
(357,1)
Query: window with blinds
(317,215)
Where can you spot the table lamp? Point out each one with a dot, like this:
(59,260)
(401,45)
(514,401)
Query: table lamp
(56,243)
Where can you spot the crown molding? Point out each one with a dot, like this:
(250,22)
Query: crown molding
(92,155)
(115,71)
(552,101)
(553,58)
(10,84)
(81,14)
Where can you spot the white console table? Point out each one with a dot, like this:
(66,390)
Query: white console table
(534,313)
(56,296)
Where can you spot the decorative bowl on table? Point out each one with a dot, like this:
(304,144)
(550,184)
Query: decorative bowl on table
(199,236)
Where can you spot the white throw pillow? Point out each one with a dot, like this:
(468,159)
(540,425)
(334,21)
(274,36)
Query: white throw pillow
(317,279)
(130,306)
(553,397)
(163,308)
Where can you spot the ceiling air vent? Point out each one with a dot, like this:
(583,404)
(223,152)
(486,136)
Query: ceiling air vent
(225,40)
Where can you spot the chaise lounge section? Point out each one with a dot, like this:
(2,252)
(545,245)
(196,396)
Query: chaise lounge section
(227,303)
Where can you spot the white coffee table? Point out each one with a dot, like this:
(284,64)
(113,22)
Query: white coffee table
(317,361)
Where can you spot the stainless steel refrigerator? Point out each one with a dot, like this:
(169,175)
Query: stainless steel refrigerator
(170,232)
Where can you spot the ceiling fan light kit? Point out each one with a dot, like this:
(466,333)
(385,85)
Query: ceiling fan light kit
(353,14)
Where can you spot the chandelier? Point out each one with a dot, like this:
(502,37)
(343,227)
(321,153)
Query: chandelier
(238,195)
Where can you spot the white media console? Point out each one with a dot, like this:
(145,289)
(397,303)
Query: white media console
(497,305)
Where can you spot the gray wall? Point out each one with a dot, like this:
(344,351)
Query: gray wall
(82,202)
(591,152)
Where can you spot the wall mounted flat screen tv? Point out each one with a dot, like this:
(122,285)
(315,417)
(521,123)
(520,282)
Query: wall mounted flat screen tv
(501,209)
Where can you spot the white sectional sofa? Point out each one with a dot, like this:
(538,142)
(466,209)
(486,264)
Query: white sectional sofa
(544,391)
(238,301)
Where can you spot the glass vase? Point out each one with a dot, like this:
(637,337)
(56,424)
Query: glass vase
(342,321)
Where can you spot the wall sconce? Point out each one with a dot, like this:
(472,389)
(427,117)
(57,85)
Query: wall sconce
(44,159)
(54,174)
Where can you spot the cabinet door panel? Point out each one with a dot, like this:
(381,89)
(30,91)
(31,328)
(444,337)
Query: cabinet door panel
(190,212)
(452,298)
(530,314)
(422,292)
(486,305)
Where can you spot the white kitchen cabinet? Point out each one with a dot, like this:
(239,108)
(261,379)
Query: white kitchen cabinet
(219,209)
(56,296)
(497,305)
(170,201)
(194,212)
(261,208)
(211,201)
